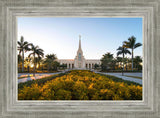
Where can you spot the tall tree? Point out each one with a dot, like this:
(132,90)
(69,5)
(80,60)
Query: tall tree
(119,60)
(96,66)
(55,65)
(137,60)
(39,60)
(27,62)
(122,50)
(23,46)
(131,43)
(126,62)
(49,61)
(51,56)
(63,66)
(36,52)
(107,61)
(19,62)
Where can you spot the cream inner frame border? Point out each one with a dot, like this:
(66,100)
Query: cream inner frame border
(10,10)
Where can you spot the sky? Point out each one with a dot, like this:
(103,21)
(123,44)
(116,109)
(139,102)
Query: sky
(60,35)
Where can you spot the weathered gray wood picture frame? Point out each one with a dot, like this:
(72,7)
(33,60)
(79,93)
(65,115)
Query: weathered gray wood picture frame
(149,10)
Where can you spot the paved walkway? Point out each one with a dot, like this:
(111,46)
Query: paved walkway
(136,74)
(42,75)
(119,75)
(29,76)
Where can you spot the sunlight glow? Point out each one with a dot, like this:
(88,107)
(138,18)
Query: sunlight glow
(32,65)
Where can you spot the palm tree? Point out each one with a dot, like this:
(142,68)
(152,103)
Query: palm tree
(137,60)
(50,58)
(55,65)
(126,62)
(23,46)
(19,62)
(27,62)
(36,51)
(107,61)
(131,43)
(39,61)
(119,60)
(96,66)
(122,50)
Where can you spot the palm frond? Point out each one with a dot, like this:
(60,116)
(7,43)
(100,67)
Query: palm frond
(19,43)
(40,50)
(25,43)
(132,43)
(137,45)
(126,44)
(30,54)
(37,47)
(120,48)
(22,39)
(127,52)
(119,53)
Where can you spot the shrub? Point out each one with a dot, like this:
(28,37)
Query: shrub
(62,94)
(80,85)
(30,93)
(80,91)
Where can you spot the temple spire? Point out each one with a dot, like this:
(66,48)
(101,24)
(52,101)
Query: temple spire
(79,41)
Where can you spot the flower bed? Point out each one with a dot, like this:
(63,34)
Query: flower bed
(81,85)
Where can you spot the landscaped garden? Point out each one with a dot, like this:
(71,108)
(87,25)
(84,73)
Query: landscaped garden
(79,85)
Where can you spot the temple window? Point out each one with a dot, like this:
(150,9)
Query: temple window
(79,57)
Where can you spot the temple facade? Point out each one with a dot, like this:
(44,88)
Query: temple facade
(79,62)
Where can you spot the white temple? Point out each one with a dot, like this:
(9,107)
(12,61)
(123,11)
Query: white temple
(80,62)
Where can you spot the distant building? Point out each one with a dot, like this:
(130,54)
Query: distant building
(80,62)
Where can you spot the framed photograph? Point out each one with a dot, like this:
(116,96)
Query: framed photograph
(46,75)
(79,58)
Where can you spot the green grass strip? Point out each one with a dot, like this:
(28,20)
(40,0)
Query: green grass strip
(133,76)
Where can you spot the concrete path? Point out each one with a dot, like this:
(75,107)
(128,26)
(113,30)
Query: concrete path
(29,76)
(136,74)
(119,75)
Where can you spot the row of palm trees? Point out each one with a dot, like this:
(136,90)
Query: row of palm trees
(35,51)
(109,63)
(37,54)
(124,49)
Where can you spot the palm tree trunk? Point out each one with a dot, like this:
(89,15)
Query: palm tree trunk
(39,66)
(132,59)
(28,68)
(42,67)
(19,63)
(48,68)
(126,65)
(23,61)
(34,66)
(123,64)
